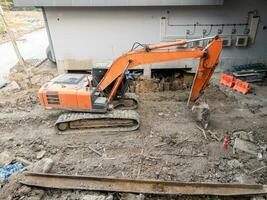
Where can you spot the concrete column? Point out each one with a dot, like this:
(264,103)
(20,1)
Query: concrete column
(147,71)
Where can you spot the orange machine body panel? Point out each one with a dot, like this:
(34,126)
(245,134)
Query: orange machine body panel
(67,91)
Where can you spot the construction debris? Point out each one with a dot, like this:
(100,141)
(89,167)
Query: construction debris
(40,154)
(42,166)
(245,146)
(159,83)
(244,135)
(8,170)
(257,170)
(221,164)
(11,87)
(249,72)
(174,148)
(14,190)
(213,135)
(203,132)
(235,164)
(201,113)
(244,179)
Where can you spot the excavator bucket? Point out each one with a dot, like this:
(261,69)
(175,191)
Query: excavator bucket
(205,69)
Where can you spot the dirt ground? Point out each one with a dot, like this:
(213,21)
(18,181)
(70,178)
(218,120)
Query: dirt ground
(167,146)
(21,22)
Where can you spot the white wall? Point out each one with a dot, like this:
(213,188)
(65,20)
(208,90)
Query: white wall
(82,36)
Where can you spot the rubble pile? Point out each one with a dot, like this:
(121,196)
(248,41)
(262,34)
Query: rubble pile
(21,91)
(177,81)
(29,76)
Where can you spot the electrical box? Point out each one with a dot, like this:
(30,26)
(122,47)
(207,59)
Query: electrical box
(226,41)
(241,41)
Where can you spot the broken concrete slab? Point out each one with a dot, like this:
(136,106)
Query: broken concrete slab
(42,166)
(244,135)
(245,146)
(244,179)
(40,154)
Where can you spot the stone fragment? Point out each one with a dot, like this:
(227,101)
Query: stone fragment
(245,146)
(42,166)
(40,154)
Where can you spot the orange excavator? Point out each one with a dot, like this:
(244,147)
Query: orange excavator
(102,107)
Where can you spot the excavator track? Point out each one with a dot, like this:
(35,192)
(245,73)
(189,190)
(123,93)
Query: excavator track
(115,120)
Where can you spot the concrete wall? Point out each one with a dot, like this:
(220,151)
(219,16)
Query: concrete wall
(82,36)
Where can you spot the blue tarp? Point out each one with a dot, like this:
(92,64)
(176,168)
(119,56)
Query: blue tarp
(8,170)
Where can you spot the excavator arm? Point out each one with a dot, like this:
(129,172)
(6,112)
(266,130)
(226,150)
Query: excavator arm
(158,53)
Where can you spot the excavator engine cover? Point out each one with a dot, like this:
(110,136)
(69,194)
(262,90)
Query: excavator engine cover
(69,91)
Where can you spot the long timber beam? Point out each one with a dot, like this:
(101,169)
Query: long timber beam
(58,181)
